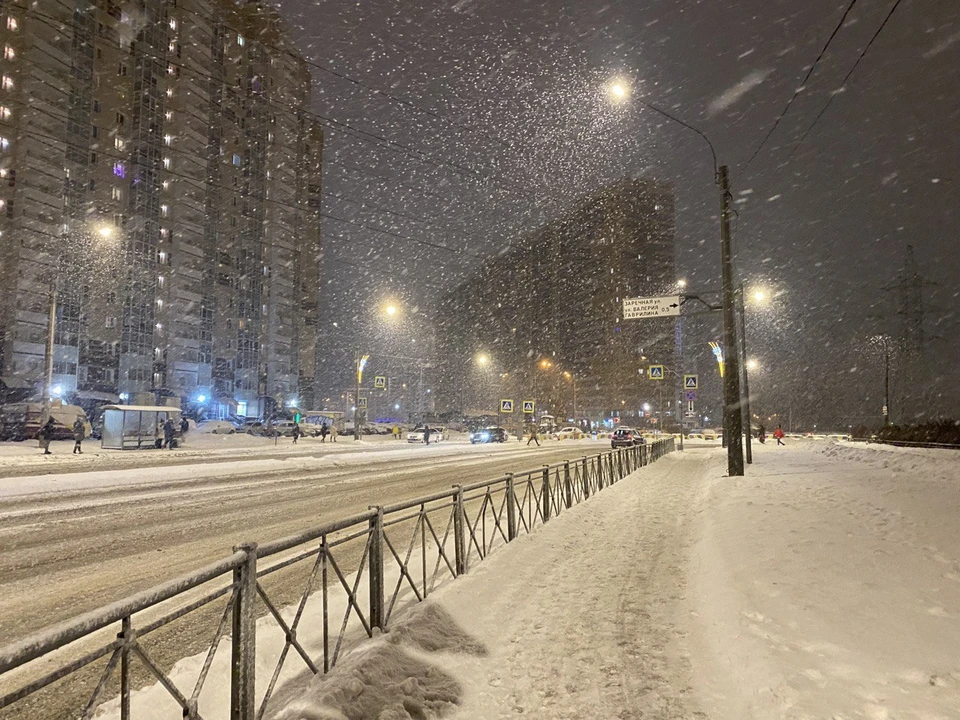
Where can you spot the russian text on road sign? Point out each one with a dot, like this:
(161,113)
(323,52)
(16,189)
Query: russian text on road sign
(656,372)
(691,395)
(506,406)
(690,382)
(638,308)
(362,403)
(380,382)
(528,406)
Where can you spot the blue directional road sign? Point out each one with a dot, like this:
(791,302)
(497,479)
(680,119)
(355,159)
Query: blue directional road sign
(506,406)
(656,372)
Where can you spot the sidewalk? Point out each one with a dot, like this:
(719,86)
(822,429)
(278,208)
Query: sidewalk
(822,585)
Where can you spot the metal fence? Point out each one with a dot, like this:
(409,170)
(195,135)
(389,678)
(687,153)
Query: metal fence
(302,591)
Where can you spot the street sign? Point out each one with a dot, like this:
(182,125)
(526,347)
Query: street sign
(691,395)
(689,414)
(656,372)
(362,403)
(690,382)
(639,308)
(506,406)
(380,382)
(528,407)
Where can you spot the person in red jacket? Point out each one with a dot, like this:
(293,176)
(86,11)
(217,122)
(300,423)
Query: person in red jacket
(778,434)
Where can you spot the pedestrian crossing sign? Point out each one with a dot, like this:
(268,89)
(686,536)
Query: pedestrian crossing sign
(506,406)
(380,382)
(655,372)
(690,382)
(528,407)
(362,403)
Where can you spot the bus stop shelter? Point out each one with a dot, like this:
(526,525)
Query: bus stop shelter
(130,427)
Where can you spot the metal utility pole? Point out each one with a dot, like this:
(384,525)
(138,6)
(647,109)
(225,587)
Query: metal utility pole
(731,380)
(356,398)
(746,381)
(48,358)
(886,381)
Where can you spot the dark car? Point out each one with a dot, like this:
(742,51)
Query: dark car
(626,437)
(488,435)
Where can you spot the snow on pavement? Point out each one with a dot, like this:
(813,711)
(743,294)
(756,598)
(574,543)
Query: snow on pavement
(822,585)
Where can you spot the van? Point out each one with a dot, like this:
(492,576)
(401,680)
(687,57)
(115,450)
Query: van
(21,421)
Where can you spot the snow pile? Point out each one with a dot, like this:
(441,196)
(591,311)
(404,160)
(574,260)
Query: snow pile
(931,461)
(393,677)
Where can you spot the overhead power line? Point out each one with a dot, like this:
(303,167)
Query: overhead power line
(802,84)
(844,82)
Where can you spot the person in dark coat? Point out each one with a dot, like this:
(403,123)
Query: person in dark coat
(184,426)
(323,432)
(426,435)
(296,432)
(45,434)
(534,435)
(168,432)
(79,433)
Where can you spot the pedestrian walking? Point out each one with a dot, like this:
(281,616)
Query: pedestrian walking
(396,431)
(45,434)
(778,434)
(295,432)
(184,426)
(324,431)
(333,433)
(79,432)
(762,434)
(534,435)
(426,435)
(168,432)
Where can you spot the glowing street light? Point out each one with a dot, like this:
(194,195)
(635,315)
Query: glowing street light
(483,359)
(105,231)
(752,364)
(391,310)
(759,295)
(681,283)
(618,90)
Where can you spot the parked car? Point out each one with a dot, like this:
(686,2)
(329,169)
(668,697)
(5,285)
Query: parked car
(626,437)
(487,435)
(216,427)
(568,433)
(417,434)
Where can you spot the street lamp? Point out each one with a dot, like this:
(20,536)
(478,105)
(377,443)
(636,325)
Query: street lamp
(573,381)
(618,91)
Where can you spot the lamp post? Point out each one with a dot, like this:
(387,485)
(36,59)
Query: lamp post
(573,381)
(619,91)
(745,394)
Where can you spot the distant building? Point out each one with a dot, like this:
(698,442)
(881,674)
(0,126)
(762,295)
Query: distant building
(160,172)
(552,304)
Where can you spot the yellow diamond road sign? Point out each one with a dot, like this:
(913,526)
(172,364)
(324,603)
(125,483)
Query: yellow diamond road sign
(656,372)
(506,406)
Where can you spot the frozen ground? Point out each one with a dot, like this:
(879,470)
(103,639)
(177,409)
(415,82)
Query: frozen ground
(825,584)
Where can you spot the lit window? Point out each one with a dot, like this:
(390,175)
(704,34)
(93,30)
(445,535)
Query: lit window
(166,184)
(3,203)
(164,233)
(12,24)
(167,139)
(8,53)
(4,112)
(236,160)
(119,169)
(162,257)
(166,163)
(7,82)
(164,210)
(118,143)
(159,302)
(240,41)
(169,92)
(4,143)
(161,280)
(168,115)
(173,24)
(111,322)
(115,193)
(171,70)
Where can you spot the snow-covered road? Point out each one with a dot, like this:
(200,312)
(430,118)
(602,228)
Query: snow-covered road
(825,584)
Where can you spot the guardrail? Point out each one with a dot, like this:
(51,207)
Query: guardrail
(402,551)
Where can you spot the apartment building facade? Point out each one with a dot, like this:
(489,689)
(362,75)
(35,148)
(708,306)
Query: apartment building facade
(547,314)
(162,177)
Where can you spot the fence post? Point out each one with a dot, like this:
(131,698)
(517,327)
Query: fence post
(244,637)
(459,532)
(585,478)
(375,560)
(545,493)
(511,509)
(567,486)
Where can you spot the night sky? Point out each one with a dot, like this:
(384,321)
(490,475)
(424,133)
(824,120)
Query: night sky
(473,121)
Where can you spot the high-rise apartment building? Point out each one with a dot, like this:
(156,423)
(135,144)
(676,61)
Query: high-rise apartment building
(161,175)
(553,304)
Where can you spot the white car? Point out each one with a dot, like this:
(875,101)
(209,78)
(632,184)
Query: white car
(568,433)
(217,427)
(417,434)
